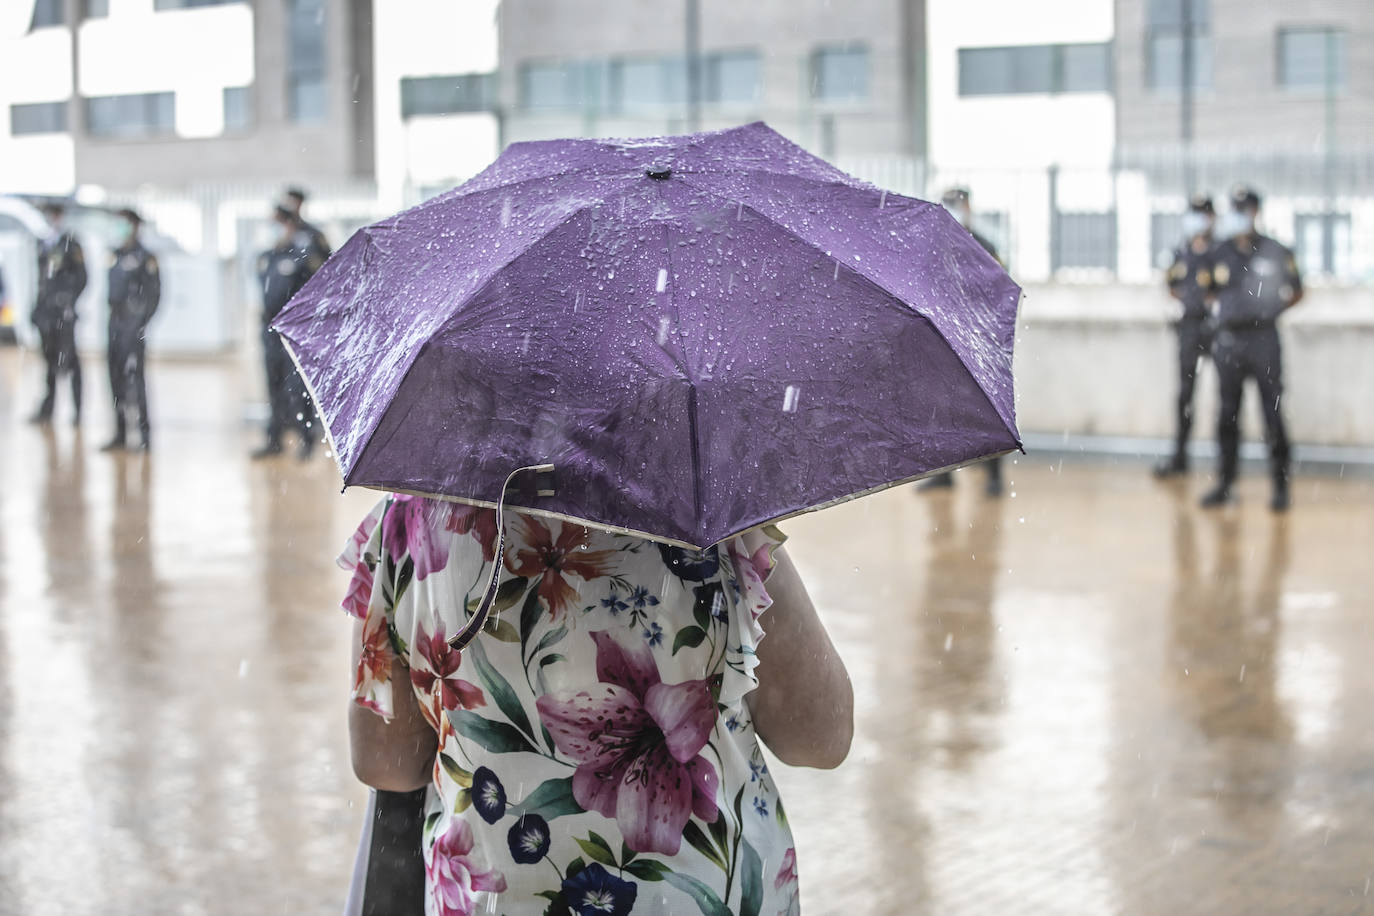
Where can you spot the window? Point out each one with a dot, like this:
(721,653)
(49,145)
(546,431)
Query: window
(38,118)
(552,85)
(1085,240)
(1166,234)
(307,100)
(732,78)
(146,115)
(1168,21)
(433,95)
(1323,243)
(1312,58)
(840,74)
(647,83)
(47,13)
(238,108)
(189,4)
(1035,68)
(95,9)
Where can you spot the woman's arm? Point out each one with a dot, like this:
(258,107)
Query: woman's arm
(397,756)
(803,708)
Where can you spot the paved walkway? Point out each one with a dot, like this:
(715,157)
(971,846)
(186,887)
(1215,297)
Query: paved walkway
(1087,697)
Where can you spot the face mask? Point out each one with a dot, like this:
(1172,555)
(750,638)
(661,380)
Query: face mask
(124,232)
(1233,223)
(1195,223)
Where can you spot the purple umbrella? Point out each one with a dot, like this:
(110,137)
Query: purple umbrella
(700,334)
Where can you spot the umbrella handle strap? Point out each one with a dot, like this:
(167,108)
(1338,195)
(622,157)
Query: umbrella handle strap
(464,637)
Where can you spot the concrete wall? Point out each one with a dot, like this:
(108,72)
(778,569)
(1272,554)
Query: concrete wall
(1100,360)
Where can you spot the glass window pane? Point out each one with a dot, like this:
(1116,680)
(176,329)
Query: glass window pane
(640,84)
(238,108)
(1168,14)
(96,9)
(733,79)
(1305,54)
(38,118)
(1087,68)
(144,115)
(1033,68)
(48,13)
(985,71)
(1164,67)
(551,86)
(841,74)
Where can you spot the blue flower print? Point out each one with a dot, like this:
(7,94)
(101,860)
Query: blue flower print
(488,795)
(690,565)
(528,839)
(654,634)
(596,892)
(756,770)
(760,806)
(613,603)
(640,598)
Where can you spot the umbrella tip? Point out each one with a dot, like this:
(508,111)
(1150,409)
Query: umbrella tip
(659,174)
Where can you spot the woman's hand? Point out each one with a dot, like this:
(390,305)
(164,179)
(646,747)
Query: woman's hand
(397,756)
(803,708)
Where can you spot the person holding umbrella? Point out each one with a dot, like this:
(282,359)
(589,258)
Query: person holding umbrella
(589,421)
(135,289)
(61,280)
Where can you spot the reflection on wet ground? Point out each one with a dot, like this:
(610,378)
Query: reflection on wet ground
(1089,697)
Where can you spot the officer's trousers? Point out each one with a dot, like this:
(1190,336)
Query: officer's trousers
(59,352)
(1194,342)
(285,391)
(1241,353)
(125,353)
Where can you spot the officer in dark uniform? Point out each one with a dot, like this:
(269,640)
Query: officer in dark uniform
(294,201)
(282,271)
(1190,280)
(61,280)
(1254,280)
(135,289)
(956,201)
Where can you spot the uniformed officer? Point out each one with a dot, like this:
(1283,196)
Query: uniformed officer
(294,200)
(135,289)
(1254,280)
(1190,280)
(282,271)
(61,280)
(957,202)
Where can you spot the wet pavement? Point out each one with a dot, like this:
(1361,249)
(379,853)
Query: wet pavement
(1086,697)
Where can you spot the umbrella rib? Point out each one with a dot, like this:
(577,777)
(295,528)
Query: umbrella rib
(693,430)
(891,296)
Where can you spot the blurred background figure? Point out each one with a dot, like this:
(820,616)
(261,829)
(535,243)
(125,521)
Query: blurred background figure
(135,289)
(282,271)
(61,280)
(1255,280)
(956,201)
(8,338)
(294,200)
(1190,278)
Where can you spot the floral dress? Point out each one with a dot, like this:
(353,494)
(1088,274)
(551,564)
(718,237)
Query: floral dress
(596,755)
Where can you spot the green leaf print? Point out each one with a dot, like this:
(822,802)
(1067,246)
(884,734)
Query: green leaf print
(597,848)
(497,737)
(499,688)
(549,639)
(694,836)
(751,882)
(502,630)
(690,637)
(705,898)
(455,772)
(647,869)
(720,832)
(529,616)
(553,798)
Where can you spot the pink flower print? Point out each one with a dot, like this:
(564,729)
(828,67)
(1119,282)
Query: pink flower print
(454,878)
(554,560)
(637,742)
(418,526)
(479,522)
(371,682)
(359,593)
(787,874)
(353,553)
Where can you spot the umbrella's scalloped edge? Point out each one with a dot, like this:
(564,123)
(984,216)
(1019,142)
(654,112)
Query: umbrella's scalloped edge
(676,542)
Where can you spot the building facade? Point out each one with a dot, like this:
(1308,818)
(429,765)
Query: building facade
(843,79)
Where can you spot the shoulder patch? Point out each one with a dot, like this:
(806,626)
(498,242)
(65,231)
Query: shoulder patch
(1221,274)
(151,266)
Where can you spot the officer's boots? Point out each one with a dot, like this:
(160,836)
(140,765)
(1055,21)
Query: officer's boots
(1219,495)
(1279,501)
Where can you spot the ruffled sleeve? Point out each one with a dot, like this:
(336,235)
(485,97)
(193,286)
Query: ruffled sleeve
(372,679)
(750,557)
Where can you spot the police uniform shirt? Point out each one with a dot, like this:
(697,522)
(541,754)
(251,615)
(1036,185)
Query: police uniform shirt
(1253,279)
(135,284)
(283,270)
(1190,277)
(987,246)
(61,268)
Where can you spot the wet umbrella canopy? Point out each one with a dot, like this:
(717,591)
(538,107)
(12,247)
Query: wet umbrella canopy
(701,334)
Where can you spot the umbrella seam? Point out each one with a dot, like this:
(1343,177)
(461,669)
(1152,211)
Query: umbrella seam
(891,296)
